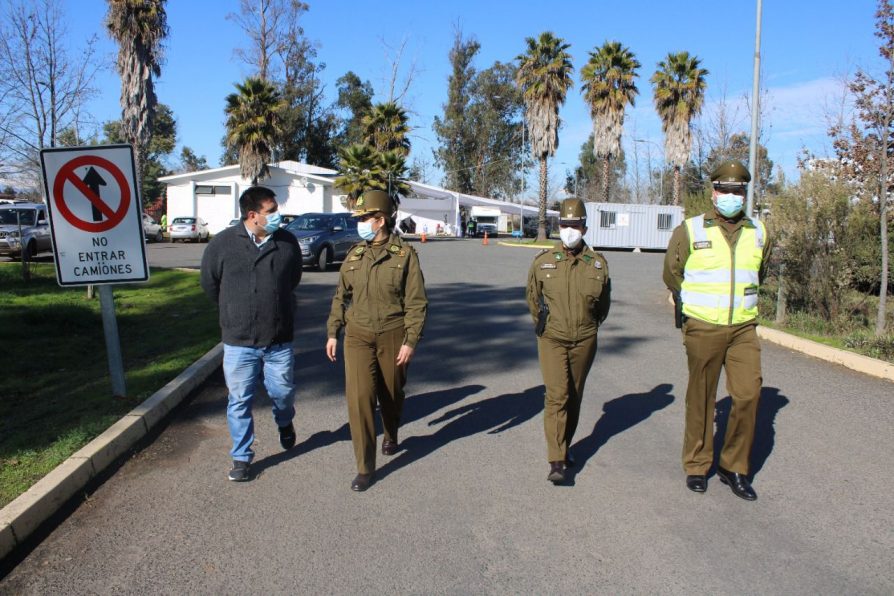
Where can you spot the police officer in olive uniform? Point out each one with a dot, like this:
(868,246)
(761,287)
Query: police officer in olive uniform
(380,302)
(569,295)
(714,264)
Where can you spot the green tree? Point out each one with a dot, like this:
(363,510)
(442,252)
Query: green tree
(162,140)
(386,128)
(737,148)
(495,119)
(608,86)
(139,27)
(679,92)
(354,101)
(587,181)
(362,168)
(544,76)
(190,162)
(456,135)
(252,125)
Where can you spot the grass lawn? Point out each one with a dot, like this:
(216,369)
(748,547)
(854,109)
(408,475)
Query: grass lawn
(55,393)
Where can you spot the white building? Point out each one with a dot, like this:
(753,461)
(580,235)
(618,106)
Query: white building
(213,194)
(300,188)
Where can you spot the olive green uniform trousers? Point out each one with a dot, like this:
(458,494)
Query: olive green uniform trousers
(565,365)
(371,375)
(710,348)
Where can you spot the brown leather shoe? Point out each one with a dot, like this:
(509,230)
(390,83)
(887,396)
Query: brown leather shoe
(361,482)
(389,447)
(556,472)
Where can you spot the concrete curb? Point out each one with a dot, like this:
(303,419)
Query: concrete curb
(513,245)
(851,360)
(28,511)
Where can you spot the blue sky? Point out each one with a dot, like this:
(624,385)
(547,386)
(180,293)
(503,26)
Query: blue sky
(807,47)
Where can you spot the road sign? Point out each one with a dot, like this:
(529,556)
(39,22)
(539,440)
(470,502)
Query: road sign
(95,216)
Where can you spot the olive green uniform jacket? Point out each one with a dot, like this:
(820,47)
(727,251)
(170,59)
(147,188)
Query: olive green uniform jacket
(380,294)
(575,288)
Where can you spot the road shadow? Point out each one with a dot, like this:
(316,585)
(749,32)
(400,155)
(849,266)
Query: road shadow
(764,428)
(493,416)
(618,415)
(416,407)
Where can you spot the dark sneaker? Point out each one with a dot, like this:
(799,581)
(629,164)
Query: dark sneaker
(287,436)
(240,471)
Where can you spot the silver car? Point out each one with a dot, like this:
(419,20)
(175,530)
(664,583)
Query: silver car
(189,228)
(24,229)
(151,230)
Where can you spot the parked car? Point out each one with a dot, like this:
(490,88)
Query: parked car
(324,237)
(287,219)
(24,229)
(152,230)
(189,228)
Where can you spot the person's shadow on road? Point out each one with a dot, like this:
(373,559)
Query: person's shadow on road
(493,415)
(619,414)
(415,407)
(764,427)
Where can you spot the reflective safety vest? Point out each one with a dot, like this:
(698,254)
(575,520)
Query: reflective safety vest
(720,284)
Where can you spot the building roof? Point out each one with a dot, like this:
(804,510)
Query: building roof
(316,173)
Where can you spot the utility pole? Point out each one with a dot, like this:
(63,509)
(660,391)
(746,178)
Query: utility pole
(755,114)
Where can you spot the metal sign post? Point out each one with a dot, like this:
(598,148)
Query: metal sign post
(96,227)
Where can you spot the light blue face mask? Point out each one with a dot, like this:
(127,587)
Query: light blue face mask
(273,221)
(365,229)
(729,204)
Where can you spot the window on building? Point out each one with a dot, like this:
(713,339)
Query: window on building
(207,189)
(607,219)
(664,221)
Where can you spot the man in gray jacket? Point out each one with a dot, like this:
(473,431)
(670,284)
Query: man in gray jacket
(250,271)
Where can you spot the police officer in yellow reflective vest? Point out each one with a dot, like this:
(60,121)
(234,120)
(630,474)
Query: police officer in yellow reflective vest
(569,295)
(714,265)
(380,302)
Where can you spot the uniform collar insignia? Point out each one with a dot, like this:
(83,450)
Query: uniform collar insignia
(359,250)
(587,258)
(558,256)
(394,248)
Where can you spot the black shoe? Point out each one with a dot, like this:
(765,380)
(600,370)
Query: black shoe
(556,472)
(569,461)
(697,483)
(240,471)
(361,482)
(738,483)
(389,447)
(287,436)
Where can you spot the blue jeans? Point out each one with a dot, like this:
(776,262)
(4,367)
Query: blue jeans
(241,367)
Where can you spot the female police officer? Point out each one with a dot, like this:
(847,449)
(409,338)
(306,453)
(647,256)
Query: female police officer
(380,301)
(569,295)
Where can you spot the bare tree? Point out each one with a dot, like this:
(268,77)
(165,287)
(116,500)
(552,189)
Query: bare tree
(398,87)
(271,26)
(43,86)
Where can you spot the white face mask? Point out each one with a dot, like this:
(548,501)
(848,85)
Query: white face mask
(571,237)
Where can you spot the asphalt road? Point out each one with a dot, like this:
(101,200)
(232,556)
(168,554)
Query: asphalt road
(465,506)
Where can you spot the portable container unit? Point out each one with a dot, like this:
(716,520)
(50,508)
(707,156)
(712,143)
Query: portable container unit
(623,225)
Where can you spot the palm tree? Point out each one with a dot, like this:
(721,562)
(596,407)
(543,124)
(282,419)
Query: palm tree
(139,26)
(358,170)
(679,87)
(385,128)
(544,76)
(608,87)
(362,168)
(252,125)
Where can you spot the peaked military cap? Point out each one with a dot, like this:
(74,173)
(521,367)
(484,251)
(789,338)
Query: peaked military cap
(572,211)
(373,201)
(730,172)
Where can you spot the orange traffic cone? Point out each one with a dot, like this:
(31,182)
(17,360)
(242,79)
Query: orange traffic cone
(484,242)
(422,238)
